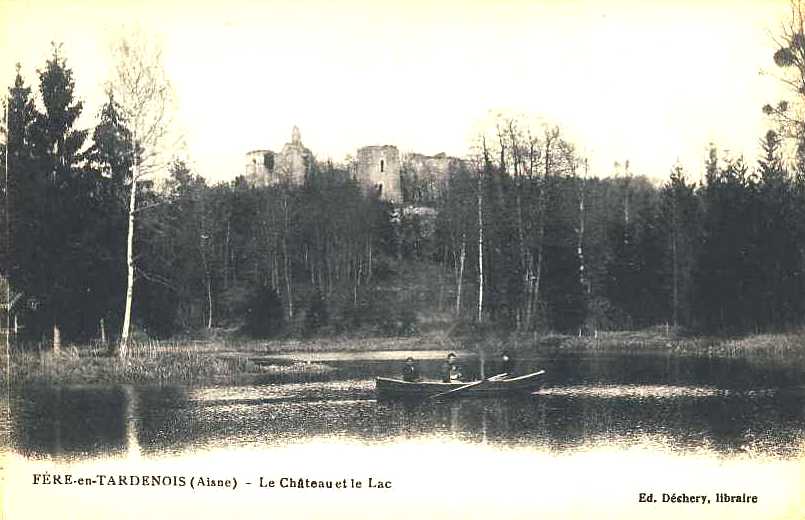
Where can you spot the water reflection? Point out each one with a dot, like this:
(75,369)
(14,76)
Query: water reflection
(679,405)
(69,420)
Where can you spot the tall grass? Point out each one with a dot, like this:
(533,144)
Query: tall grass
(151,362)
(782,347)
(227,360)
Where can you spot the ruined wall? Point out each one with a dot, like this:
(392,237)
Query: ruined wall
(378,169)
(425,176)
(292,164)
(260,167)
(415,178)
(436,165)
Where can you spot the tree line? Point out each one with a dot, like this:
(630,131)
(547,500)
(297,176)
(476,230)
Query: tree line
(521,236)
(566,251)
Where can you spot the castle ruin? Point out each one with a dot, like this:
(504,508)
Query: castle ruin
(379,169)
(292,165)
(426,176)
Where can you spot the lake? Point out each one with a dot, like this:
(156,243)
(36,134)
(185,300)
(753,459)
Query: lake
(604,428)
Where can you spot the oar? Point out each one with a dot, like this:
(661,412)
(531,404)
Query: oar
(526,376)
(465,387)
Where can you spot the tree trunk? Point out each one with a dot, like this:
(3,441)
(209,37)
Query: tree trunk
(123,345)
(442,272)
(356,283)
(542,205)
(529,311)
(580,248)
(102,329)
(56,338)
(523,254)
(542,216)
(207,275)
(480,248)
(674,261)
(460,283)
(209,301)
(537,283)
(287,262)
(369,272)
(226,253)
(626,215)
(517,171)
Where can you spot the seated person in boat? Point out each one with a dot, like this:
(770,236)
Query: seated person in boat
(506,363)
(410,371)
(452,372)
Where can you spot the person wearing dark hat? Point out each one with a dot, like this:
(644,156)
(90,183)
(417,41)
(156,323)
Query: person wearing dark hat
(410,371)
(452,372)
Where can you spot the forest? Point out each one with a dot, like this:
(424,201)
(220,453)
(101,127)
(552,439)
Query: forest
(522,236)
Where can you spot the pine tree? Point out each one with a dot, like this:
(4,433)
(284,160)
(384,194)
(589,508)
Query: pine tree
(778,242)
(111,160)
(678,208)
(58,158)
(17,188)
(727,268)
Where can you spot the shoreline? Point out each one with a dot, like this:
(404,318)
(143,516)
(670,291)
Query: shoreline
(233,360)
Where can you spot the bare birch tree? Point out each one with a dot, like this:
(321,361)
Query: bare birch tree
(790,59)
(482,170)
(144,93)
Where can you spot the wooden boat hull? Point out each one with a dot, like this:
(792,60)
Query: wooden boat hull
(388,388)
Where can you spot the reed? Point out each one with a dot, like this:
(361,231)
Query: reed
(230,359)
(152,362)
(786,347)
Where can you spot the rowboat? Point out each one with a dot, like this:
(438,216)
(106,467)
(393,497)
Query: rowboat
(388,387)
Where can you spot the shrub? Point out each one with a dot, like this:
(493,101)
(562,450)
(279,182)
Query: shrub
(265,316)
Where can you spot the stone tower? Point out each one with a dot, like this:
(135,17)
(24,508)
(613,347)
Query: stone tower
(379,170)
(295,161)
(260,167)
(291,165)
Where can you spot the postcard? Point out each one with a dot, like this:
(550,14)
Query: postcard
(484,259)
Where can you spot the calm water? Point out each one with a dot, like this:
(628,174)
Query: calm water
(604,429)
(682,405)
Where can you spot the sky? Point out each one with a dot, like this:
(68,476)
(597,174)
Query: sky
(651,82)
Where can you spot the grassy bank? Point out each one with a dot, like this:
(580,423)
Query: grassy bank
(216,360)
(786,348)
(188,362)
(226,360)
